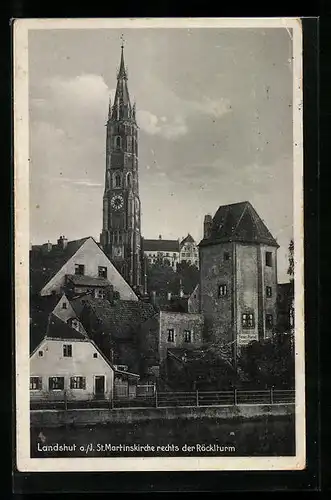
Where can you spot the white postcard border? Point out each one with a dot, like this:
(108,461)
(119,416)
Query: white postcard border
(21,220)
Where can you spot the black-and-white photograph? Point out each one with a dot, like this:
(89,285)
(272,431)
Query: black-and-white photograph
(159,282)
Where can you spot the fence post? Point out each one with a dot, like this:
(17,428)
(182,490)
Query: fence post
(271,396)
(197,396)
(156,402)
(235,397)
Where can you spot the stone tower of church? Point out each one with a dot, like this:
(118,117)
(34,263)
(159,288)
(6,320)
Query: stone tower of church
(121,233)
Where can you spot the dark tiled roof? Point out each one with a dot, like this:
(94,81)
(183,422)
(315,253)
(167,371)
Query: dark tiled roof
(120,318)
(161,245)
(188,239)
(58,329)
(77,279)
(239,222)
(78,302)
(40,310)
(44,265)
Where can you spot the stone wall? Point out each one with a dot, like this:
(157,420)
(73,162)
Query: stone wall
(56,418)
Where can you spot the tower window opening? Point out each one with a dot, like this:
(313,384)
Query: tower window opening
(118,142)
(117,180)
(129,179)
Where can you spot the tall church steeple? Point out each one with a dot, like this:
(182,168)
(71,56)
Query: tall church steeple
(121,235)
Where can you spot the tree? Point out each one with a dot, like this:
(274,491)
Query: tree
(162,279)
(290,270)
(189,276)
(208,368)
(269,363)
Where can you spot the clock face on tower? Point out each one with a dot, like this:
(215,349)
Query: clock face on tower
(117,202)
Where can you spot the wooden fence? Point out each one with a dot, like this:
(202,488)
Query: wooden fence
(157,399)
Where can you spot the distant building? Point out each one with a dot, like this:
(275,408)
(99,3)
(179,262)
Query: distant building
(74,267)
(67,364)
(189,251)
(162,251)
(238,276)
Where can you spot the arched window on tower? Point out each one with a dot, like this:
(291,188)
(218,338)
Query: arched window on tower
(129,179)
(117,180)
(118,142)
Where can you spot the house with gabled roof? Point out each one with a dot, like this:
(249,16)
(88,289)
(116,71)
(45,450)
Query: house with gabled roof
(75,267)
(67,364)
(189,251)
(238,276)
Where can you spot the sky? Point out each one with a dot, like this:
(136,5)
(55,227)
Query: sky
(214,109)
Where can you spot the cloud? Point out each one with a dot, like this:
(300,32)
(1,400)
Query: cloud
(213,107)
(78,182)
(153,125)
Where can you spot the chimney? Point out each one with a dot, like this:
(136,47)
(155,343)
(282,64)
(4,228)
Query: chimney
(207,225)
(169,296)
(160,236)
(47,247)
(62,242)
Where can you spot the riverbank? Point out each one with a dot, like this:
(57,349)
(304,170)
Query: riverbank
(88,417)
(266,435)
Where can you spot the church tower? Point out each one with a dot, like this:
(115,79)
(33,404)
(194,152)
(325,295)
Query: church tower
(121,233)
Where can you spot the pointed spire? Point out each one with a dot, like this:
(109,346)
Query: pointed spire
(122,71)
(122,106)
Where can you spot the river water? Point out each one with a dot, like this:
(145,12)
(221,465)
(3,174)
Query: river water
(267,436)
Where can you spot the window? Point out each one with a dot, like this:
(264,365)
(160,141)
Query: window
(64,305)
(95,354)
(118,142)
(36,384)
(187,336)
(226,256)
(269,321)
(268,291)
(268,259)
(40,354)
(77,383)
(56,383)
(129,179)
(248,320)
(222,290)
(102,272)
(67,350)
(129,143)
(99,294)
(79,269)
(171,335)
(117,180)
